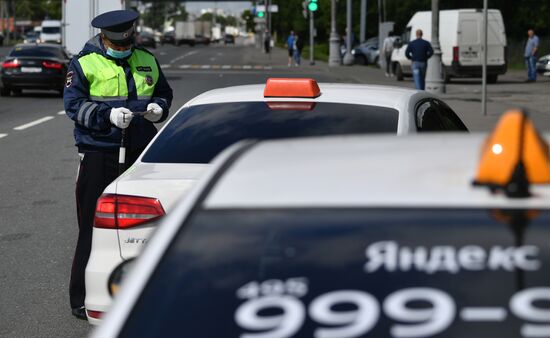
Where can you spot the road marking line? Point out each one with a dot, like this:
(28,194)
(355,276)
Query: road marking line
(183,56)
(268,67)
(164,66)
(33,123)
(195,66)
(226,67)
(3,135)
(247,67)
(61,113)
(205,67)
(258,67)
(184,66)
(216,66)
(481,314)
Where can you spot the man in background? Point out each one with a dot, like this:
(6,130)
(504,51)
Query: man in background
(419,51)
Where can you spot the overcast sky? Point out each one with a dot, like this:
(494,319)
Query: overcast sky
(233,7)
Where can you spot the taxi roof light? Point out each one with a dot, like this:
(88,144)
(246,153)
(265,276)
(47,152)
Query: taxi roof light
(514,156)
(292,87)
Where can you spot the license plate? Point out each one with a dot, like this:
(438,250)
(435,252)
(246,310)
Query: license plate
(31,69)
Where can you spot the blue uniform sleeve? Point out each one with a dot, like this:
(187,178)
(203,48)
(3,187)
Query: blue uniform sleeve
(162,95)
(408,51)
(78,105)
(429,51)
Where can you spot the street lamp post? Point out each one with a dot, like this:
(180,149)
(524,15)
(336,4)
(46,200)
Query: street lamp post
(434,75)
(348,58)
(334,41)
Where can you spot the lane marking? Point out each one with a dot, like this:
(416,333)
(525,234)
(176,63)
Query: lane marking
(3,135)
(205,67)
(165,66)
(480,314)
(184,66)
(61,113)
(33,123)
(183,56)
(226,67)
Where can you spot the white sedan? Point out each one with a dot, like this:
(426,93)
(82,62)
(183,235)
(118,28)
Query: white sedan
(543,65)
(209,123)
(356,236)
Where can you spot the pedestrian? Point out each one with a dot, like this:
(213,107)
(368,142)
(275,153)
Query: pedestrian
(298,47)
(290,47)
(419,51)
(387,50)
(107,83)
(531,49)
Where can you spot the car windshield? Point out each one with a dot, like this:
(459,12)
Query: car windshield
(198,133)
(40,51)
(294,272)
(51,30)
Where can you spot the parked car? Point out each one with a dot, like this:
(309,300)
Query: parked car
(543,65)
(206,125)
(182,150)
(146,39)
(360,236)
(169,37)
(228,39)
(34,66)
(366,53)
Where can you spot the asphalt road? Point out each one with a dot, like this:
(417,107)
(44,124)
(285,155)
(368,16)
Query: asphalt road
(39,161)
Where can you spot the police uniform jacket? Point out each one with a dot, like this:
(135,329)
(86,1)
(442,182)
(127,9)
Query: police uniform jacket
(97,82)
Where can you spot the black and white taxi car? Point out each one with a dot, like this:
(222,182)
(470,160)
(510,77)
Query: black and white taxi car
(353,236)
(211,122)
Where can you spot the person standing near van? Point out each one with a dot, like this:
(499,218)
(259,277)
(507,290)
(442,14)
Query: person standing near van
(531,48)
(387,50)
(419,51)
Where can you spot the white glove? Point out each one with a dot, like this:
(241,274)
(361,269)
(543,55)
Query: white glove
(155,112)
(121,117)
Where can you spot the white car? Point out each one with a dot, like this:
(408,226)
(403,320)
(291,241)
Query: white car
(543,65)
(206,125)
(353,236)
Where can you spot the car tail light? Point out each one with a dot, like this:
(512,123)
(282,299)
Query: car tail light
(122,211)
(455,53)
(52,65)
(94,314)
(11,64)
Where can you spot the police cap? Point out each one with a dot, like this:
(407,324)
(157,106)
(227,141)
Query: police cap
(117,26)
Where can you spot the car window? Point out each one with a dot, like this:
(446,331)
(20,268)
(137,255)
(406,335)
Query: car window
(198,133)
(37,51)
(51,30)
(435,115)
(298,272)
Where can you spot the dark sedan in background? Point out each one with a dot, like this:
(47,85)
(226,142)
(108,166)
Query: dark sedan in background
(34,66)
(146,39)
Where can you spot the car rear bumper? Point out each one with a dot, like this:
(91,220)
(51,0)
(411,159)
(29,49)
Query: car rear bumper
(474,71)
(104,258)
(33,81)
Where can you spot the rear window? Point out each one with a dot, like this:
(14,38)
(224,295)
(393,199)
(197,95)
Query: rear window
(198,133)
(351,273)
(51,30)
(39,51)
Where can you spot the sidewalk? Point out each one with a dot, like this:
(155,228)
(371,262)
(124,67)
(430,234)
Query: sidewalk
(463,95)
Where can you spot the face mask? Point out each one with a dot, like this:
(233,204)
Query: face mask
(119,54)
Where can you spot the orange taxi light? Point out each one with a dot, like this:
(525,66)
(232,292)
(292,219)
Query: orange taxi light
(291,87)
(514,149)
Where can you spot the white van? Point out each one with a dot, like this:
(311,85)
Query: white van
(51,31)
(460,39)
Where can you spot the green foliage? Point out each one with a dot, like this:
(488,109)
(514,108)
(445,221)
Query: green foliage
(249,19)
(37,10)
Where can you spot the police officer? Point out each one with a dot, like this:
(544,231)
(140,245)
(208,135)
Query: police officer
(107,83)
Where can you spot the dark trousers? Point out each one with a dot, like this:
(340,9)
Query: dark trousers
(97,170)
